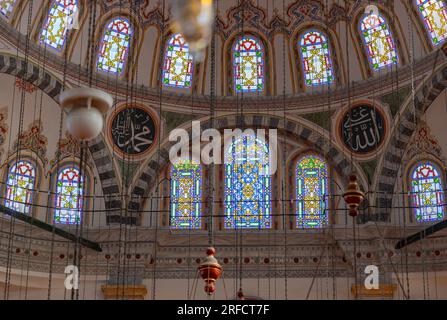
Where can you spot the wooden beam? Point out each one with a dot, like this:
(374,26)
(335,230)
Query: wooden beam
(421,234)
(51,228)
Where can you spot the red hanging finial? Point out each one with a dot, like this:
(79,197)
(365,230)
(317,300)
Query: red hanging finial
(353,196)
(210,271)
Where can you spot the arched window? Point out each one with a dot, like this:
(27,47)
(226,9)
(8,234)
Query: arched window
(178,63)
(427,195)
(61,16)
(68,198)
(311,178)
(247,183)
(19,187)
(316,59)
(186,195)
(434,14)
(248,64)
(114,47)
(6,7)
(378,41)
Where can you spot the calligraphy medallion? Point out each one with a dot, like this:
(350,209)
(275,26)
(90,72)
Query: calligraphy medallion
(363,129)
(132,130)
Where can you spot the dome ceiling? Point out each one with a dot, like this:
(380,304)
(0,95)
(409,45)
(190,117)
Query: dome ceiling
(278,29)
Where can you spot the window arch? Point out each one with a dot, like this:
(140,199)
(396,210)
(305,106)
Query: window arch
(248,64)
(311,187)
(186,195)
(61,15)
(178,63)
(69,196)
(114,47)
(378,41)
(427,195)
(6,7)
(316,58)
(434,15)
(20,186)
(247,183)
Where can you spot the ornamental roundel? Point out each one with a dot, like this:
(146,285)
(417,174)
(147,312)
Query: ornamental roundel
(362,129)
(132,130)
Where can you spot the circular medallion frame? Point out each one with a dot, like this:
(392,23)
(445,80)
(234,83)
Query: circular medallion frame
(120,141)
(376,118)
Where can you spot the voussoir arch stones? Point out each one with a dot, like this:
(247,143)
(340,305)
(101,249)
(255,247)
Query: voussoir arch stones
(52,86)
(404,126)
(149,175)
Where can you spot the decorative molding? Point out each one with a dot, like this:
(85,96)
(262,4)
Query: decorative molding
(423,142)
(25,85)
(3,127)
(128,292)
(33,139)
(384,291)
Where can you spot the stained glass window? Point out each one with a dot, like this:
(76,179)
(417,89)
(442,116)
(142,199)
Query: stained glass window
(114,47)
(6,7)
(68,198)
(178,63)
(247,184)
(316,59)
(186,195)
(427,195)
(378,41)
(434,14)
(61,17)
(19,187)
(248,64)
(311,176)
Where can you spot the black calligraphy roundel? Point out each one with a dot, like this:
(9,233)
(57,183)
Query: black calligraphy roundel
(363,129)
(133,130)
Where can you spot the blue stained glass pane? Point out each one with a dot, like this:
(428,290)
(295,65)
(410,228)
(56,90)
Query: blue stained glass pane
(434,15)
(311,192)
(378,41)
(316,59)
(61,16)
(114,47)
(6,7)
(248,65)
(186,195)
(248,184)
(427,193)
(178,63)
(19,186)
(68,199)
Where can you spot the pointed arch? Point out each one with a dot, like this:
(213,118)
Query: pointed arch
(68,204)
(61,15)
(248,60)
(178,63)
(316,59)
(6,7)
(115,45)
(434,15)
(186,195)
(378,41)
(247,184)
(426,192)
(20,185)
(311,191)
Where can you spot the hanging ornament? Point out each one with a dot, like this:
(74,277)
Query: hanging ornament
(210,271)
(240,295)
(353,196)
(193,19)
(86,108)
